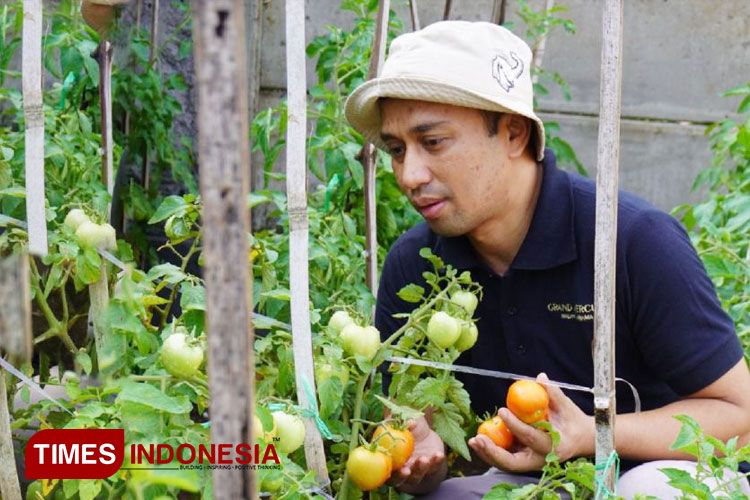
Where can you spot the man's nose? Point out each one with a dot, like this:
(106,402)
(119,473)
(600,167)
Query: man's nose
(415,170)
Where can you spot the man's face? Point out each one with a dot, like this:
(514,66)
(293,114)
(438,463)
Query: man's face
(444,160)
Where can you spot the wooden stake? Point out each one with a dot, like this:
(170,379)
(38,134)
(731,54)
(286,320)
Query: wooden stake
(296,188)
(368,155)
(15,341)
(34,115)
(9,486)
(537,55)
(224,155)
(103,55)
(447,10)
(498,12)
(414,15)
(606,238)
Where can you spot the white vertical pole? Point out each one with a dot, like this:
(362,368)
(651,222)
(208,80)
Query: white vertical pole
(606,238)
(34,116)
(296,190)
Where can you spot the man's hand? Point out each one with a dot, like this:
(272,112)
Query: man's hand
(531,445)
(426,467)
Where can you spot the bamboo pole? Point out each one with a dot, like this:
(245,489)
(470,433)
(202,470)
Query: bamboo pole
(498,11)
(34,115)
(296,189)
(368,155)
(415,26)
(537,55)
(103,55)
(15,341)
(224,155)
(447,10)
(9,486)
(606,238)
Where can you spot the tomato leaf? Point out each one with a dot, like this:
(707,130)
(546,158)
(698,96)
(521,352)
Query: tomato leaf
(411,293)
(148,395)
(451,433)
(404,412)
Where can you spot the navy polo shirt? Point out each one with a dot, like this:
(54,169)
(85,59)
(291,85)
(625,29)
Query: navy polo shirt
(672,337)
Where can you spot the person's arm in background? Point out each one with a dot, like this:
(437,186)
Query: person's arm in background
(427,467)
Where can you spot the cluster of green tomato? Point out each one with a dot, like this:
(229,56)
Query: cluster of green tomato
(445,330)
(89,233)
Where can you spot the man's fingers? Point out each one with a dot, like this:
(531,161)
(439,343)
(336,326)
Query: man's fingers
(536,439)
(557,397)
(491,453)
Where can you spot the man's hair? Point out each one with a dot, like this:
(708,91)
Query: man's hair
(492,121)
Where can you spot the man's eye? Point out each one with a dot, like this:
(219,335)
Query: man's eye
(395,150)
(433,141)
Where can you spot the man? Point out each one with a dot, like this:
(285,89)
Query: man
(454,109)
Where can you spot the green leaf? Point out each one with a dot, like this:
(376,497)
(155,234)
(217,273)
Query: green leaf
(278,294)
(451,433)
(434,259)
(168,272)
(84,360)
(411,293)
(404,412)
(148,395)
(7,153)
(170,206)
(193,297)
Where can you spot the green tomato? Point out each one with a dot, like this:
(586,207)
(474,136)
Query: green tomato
(465,299)
(257,427)
(179,357)
(272,482)
(324,371)
(75,218)
(290,430)
(443,329)
(468,337)
(96,236)
(360,341)
(339,320)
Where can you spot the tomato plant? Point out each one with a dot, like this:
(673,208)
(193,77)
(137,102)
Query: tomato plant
(181,357)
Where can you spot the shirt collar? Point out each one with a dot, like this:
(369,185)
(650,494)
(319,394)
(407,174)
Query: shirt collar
(550,241)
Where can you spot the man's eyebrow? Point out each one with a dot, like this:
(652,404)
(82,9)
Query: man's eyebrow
(416,129)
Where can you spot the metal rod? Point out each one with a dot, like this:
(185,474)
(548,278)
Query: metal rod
(606,238)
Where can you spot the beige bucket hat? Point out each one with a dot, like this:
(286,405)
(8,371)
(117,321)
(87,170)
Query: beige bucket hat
(472,64)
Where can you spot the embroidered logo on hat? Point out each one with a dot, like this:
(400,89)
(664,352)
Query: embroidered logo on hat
(505,72)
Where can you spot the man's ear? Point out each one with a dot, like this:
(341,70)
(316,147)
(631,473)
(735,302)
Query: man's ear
(518,130)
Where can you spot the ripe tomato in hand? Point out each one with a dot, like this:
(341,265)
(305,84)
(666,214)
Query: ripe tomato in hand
(399,444)
(495,429)
(368,469)
(528,400)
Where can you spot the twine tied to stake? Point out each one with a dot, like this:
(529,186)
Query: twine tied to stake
(601,489)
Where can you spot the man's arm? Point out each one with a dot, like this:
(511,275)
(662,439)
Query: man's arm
(722,409)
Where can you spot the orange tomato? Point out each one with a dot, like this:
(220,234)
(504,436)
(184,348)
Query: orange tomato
(528,400)
(368,469)
(497,431)
(399,444)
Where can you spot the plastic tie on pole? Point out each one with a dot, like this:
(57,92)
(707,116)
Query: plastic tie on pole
(602,491)
(312,412)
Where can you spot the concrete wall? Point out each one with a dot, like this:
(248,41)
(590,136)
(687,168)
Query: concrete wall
(678,56)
